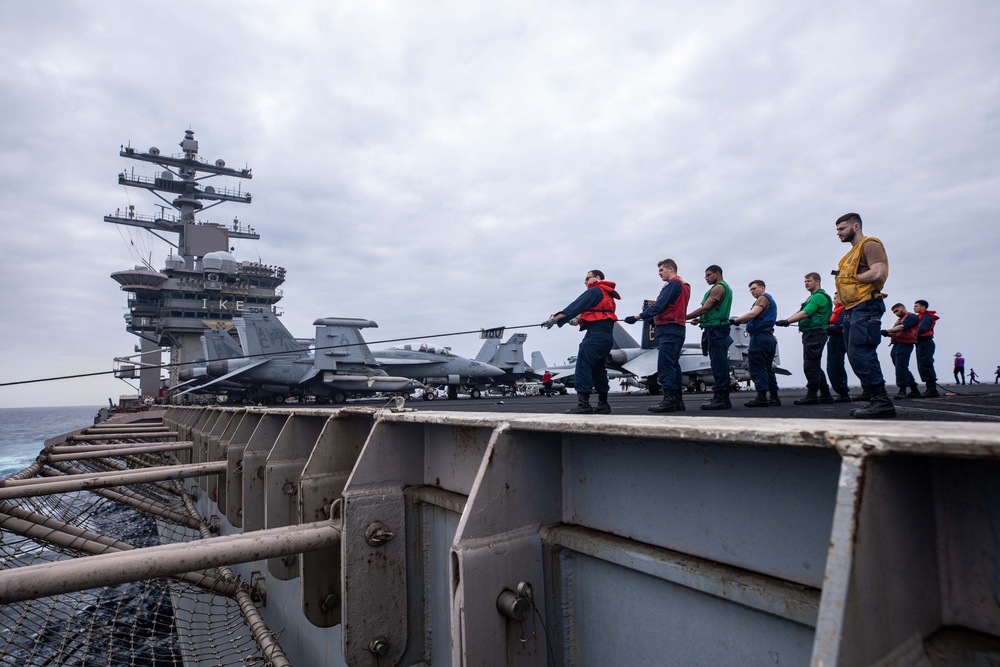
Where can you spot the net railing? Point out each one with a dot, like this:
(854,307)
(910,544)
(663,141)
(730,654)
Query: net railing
(159,622)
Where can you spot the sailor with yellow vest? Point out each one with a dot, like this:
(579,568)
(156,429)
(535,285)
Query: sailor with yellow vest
(861,275)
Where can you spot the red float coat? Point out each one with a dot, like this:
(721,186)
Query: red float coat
(605,309)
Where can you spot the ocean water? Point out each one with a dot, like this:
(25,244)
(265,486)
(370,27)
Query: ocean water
(23,432)
(127,625)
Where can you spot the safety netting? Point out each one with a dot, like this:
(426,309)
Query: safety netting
(160,622)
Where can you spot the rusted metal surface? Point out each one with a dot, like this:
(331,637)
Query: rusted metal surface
(282,482)
(321,486)
(711,541)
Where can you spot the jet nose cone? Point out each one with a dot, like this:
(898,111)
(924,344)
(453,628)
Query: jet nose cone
(493,371)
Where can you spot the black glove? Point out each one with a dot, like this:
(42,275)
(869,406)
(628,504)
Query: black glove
(732,321)
(884,333)
(630,319)
(781,323)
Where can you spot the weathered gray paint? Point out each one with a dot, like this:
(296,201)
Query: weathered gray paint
(646,540)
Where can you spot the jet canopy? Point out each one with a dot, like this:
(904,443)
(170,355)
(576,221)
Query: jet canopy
(424,347)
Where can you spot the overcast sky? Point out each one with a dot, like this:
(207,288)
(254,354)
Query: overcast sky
(440,167)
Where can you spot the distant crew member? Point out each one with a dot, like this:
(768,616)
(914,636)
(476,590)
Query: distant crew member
(813,318)
(925,348)
(594,311)
(547,383)
(973,376)
(861,274)
(668,316)
(836,352)
(760,321)
(903,335)
(713,318)
(959,367)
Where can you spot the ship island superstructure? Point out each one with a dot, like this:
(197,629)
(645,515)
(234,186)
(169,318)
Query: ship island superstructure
(201,283)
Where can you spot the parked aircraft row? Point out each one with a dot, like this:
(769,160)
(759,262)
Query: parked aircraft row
(270,363)
(338,362)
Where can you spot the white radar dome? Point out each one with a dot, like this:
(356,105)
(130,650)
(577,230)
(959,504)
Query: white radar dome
(220,261)
(174,262)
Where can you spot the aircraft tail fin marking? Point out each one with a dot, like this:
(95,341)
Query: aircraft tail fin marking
(266,335)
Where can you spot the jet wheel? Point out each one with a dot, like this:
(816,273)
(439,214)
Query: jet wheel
(339,397)
(475,393)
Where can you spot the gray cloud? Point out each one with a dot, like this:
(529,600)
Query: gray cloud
(441,168)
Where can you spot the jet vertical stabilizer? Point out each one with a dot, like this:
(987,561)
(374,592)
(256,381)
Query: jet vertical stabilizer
(510,355)
(343,363)
(622,339)
(538,361)
(220,345)
(488,351)
(339,343)
(265,335)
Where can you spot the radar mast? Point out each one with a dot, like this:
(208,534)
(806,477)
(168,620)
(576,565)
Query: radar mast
(202,285)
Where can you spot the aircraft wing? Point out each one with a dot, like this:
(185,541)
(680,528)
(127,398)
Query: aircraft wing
(559,375)
(228,376)
(644,365)
(184,384)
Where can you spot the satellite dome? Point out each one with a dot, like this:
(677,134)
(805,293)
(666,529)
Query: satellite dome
(219,261)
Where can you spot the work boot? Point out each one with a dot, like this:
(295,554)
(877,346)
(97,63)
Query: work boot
(666,403)
(863,397)
(679,400)
(932,391)
(720,401)
(900,394)
(879,407)
(603,408)
(809,399)
(914,391)
(843,397)
(760,401)
(582,406)
(774,401)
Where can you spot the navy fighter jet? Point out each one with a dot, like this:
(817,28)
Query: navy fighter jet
(217,346)
(508,357)
(696,367)
(438,366)
(278,364)
(628,357)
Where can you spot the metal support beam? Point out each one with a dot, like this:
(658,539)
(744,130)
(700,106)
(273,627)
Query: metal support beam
(41,529)
(80,574)
(81,453)
(159,433)
(46,487)
(83,447)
